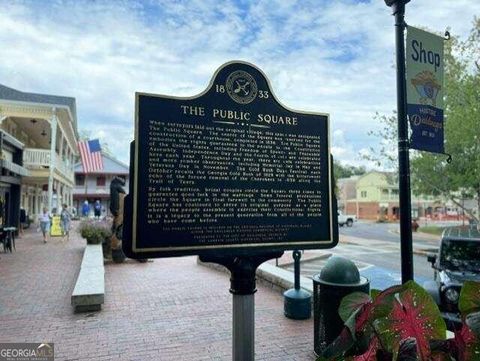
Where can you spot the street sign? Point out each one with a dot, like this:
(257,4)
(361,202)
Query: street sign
(425,90)
(227,172)
(56,229)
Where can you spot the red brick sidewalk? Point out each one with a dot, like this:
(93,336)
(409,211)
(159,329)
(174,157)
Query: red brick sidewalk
(168,310)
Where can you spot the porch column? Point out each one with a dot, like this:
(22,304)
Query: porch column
(53,140)
(60,147)
(70,197)
(67,159)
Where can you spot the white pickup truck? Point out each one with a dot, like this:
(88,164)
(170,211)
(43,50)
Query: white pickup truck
(347,219)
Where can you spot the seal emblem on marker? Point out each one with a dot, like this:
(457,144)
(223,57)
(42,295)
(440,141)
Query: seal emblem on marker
(241,87)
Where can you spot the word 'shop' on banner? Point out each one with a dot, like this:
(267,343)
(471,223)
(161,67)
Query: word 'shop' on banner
(425,90)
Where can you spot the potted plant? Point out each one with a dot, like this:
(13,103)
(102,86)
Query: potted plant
(95,232)
(403,323)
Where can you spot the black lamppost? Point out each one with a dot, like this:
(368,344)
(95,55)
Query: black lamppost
(398,8)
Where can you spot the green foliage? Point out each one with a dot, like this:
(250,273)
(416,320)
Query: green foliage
(345,171)
(404,323)
(469,298)
(95,232)
(437,231)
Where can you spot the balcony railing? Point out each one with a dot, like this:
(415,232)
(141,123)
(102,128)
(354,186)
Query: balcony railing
(40,158)
(63,167)
(15,168)
(36,158)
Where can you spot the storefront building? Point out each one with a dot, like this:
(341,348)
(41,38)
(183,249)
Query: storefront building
(46,126)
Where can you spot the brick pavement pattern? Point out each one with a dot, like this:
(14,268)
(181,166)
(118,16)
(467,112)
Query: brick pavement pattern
(169,309)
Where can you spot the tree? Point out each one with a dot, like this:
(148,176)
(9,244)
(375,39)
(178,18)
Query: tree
(345,171)
(431,173)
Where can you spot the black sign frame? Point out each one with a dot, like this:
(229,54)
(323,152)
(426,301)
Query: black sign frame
(130,242)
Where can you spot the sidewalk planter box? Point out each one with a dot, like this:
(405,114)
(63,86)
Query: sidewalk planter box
(89,292)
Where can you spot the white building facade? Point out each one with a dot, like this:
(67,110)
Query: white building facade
(96,186)
(46,125)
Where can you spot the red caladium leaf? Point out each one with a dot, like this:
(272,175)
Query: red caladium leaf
(466,345)
(374,293)
(473,321)
(469,298)
(351,303)
(370,355)
(414,314)
(380,307)
(339,346)
(407,350)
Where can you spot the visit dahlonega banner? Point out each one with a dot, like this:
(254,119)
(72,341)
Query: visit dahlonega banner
(425,89)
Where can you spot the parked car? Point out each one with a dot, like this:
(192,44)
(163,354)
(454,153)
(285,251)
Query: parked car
(457,261)
(347,219)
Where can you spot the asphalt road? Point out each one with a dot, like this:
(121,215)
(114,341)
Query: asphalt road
(375,249)
(389,232)
(382,231)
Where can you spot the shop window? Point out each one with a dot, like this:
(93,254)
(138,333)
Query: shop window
(101,181)
(79,179)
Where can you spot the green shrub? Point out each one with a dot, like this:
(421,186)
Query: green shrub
(94,231)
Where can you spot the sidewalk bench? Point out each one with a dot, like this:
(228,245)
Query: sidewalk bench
(89,292)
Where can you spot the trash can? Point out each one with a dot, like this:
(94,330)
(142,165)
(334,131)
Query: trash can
(337,279)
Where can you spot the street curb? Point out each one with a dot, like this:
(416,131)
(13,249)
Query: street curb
(321,256)
(270,275)
(280,279)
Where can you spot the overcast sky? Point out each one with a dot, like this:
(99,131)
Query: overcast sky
(332,56)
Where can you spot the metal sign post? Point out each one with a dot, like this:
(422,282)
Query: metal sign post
(406,249)
(243,288)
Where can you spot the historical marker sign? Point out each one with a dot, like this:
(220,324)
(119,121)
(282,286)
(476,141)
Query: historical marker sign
(228,171)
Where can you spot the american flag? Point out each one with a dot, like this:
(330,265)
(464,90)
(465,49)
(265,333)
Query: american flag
(91,155)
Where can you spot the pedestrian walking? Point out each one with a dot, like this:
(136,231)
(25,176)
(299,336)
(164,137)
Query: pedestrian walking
(23,220)
(45,222)
(85,209)
(65,218)
(97,209)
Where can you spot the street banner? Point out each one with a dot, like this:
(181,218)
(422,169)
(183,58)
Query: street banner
(425,90)
(229,172)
